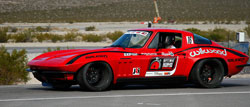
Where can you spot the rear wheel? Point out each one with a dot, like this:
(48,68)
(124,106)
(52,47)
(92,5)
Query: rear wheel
(96,76)
(208,73)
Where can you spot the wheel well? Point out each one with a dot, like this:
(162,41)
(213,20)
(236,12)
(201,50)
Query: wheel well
(221,60)
(224,65)
(75,76)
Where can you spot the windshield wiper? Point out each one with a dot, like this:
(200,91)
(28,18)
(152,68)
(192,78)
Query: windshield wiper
(118,46)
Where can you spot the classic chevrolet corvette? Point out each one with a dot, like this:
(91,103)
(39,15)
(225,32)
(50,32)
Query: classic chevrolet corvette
(141,56)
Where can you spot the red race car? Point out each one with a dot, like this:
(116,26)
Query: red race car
(141,56)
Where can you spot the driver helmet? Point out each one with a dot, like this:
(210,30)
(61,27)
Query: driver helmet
(169,41)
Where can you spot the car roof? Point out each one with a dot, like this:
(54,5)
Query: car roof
(160,30)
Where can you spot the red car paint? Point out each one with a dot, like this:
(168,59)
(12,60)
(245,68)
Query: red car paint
(141,62)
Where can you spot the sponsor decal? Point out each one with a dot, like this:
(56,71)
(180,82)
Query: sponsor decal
(149,54)
(158,73)
(236,60)
(97,56)
(171,60)
(167,65)
(130,54)
(156,63)
(143,33)
(207,51)
(190,40)
(170,53)
(163,71)
(166,73)
(136,71)
(162,63)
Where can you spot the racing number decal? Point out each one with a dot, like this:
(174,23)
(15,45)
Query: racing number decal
(189,40)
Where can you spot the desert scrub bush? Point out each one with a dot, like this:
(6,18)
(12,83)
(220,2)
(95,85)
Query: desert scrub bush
(71,36)
(13,29)
(217,37)
(4,37)
(222,35)
(92,38)
(115,35)
(48,36)
(42,36)
(90,28)
(49,49)
(54,38)
(25,36)
(197,31)
(217,34)
(247,30)
(13,67)
(42,29)
(71,22)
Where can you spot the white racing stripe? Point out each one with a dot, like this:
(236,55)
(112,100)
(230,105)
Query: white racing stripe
(119,96)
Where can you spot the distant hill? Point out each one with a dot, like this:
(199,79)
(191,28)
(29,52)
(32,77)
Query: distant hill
(122,10)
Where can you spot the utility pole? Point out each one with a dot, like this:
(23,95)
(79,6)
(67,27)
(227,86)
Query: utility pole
(156,8)
(158,18)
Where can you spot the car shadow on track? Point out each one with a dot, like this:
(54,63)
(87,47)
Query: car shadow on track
(140,87)
(232,85)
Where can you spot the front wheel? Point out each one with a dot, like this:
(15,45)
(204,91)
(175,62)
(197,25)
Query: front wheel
(95,76)
(208,73)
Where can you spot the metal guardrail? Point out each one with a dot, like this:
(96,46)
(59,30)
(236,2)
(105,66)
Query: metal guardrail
(241,46)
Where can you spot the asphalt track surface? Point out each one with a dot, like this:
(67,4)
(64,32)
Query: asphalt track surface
(232,93)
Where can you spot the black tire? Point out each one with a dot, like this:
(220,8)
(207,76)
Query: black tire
(61,86)
(95,76)
(208,73)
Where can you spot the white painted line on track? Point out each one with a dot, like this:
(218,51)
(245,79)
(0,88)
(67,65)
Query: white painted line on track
(119,96)
(149,104)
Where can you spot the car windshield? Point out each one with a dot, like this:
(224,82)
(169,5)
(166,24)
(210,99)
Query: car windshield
(132,39)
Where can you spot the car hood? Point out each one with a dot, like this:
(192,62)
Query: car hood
(61,57)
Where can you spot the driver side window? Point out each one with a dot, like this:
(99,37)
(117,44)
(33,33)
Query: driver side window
(166,40)
(154,43)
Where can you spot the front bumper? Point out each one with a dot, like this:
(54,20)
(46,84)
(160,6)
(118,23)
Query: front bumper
(243,65)
(52,76)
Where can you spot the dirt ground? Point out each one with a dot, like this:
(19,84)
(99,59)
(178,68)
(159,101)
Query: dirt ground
(105,27)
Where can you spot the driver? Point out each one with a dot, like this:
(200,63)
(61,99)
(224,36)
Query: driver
(169,42)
